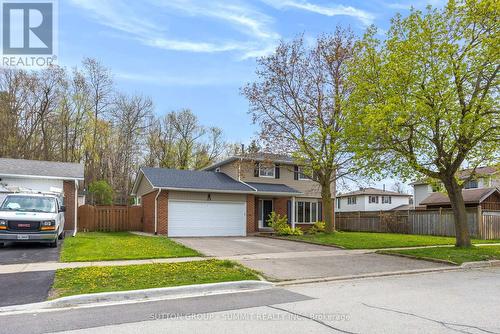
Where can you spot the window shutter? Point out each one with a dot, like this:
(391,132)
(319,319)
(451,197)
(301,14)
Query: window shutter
(295,172)
(256,170)
(277,171)
(320,211)
(289,211)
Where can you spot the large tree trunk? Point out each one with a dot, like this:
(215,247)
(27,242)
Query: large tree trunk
(459,213)
(326,197)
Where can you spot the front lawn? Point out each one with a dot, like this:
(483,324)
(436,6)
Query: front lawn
(369,240)
(84,280)
(100,246)
(453,254)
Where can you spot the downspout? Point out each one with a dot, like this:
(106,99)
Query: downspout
(76,208)
(156,211)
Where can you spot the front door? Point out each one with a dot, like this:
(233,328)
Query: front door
(265,209)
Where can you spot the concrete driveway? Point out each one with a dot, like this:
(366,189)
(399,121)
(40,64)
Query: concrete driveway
(27,287)
(289,260)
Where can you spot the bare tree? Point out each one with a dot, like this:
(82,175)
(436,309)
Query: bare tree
(100,88)
(298,100)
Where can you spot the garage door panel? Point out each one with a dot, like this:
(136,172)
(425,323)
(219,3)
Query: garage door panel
(206,219)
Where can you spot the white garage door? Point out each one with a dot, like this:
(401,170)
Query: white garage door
(206,219)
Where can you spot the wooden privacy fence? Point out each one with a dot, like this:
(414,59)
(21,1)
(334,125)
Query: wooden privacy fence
(482,224)
(109,218)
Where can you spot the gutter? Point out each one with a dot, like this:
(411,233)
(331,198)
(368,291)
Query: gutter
(25,176)
(76,208)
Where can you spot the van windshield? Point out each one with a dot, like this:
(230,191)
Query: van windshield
(29,204)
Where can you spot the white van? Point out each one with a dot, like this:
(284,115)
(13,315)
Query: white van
(32,218)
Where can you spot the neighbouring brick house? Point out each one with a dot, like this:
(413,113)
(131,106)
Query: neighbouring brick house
(231,198)
(18,175)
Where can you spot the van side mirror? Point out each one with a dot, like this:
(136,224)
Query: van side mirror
(62,208)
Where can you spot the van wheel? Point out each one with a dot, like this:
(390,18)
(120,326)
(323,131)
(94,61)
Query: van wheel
(2,244)
(62,235)
(53,244)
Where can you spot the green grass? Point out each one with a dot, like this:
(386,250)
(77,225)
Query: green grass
(453,254)
(98,246)
(76,281)
(369,240)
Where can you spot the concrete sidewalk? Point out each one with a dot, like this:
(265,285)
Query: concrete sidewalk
(50,266)
(244,258)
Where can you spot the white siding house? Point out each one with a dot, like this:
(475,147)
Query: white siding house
(486,177)
(371,199)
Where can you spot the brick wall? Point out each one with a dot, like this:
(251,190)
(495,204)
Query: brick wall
(251,214)
(148,212)
(69,203)
(281,205)
(163,213)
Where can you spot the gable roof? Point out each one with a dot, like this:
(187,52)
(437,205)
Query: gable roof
(471,196)
(465,173)
(260,156)
(41,169)
(373,191)
(176,179)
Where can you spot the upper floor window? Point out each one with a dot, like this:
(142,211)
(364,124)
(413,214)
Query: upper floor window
(471,184)
(372,199)
(339,200)
(351,200)
(266,170)
(386,199)
(301,174)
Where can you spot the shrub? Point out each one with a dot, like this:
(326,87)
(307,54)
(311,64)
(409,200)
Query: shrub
(280,225)
(318,227)
(101,192)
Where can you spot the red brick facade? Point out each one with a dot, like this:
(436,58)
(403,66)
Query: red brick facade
(70,204)
(148,206)
(281,205)
(148,212)
(251,214)
(163,213)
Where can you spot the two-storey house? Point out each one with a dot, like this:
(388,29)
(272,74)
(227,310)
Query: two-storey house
(483,178)
(231,198)
(372,199)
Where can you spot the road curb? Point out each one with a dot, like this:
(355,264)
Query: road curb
(132,296)
(361,276)
(464,266)
(481,264)
(429,259)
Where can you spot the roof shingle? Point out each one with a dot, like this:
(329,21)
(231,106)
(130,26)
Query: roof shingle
(273,188)
(471,196)
(52,169)
(372,191)
(192,179)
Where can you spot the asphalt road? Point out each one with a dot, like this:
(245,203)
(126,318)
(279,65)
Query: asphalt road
(29,252)
(446,302)
(28,287)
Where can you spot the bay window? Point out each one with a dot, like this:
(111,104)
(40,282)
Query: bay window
(306,211)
